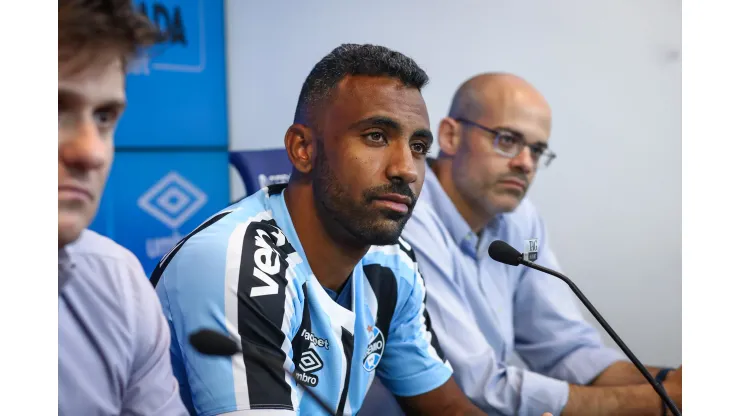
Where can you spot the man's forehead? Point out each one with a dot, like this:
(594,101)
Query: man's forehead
(96,81)
(363,95)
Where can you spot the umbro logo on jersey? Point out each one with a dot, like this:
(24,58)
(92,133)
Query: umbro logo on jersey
(309,363)
(374,351)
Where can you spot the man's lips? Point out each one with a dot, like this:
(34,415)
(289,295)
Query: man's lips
(395,202)
(513,182)
(75,191)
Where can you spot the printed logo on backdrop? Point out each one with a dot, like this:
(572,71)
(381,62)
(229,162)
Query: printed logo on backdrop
(531,247)
(185,47)
(172,201)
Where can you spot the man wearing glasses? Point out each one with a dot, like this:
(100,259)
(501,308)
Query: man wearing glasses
(491,146)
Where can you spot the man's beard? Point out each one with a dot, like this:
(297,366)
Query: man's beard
(364,223)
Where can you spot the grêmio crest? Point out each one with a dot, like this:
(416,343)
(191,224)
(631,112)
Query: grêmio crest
(374,350)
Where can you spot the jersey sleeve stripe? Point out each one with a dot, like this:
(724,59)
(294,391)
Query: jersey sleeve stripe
(264,311)
(435,350)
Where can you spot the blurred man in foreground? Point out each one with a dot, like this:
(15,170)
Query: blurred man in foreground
(312,274)
(113,340)
(491,146)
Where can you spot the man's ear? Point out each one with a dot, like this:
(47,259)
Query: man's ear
(449,136)
(300,145)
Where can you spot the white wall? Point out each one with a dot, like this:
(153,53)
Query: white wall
(611,71)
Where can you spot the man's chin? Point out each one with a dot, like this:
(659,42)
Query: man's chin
(70,228)
(388,232)
(507,203)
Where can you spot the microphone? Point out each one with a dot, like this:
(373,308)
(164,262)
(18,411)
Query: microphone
(214,343)
(504,253)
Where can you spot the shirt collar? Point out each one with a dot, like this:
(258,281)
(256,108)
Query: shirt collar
(66,266)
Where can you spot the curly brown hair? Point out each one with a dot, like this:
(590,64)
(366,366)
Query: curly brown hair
(89,28)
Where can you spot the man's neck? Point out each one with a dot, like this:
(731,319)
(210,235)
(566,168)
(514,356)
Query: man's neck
(442,168)
(331,260)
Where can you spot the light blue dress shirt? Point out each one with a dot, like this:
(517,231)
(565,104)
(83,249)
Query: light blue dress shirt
(113,339)
(483,311)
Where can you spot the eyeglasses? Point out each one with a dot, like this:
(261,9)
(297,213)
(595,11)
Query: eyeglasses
(510,144)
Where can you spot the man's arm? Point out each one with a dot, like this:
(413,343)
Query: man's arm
(552,337)
(623,373)
(635,400)
(446,399)
(152,388)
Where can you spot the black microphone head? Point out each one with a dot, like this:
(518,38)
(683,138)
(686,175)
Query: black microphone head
(210,342)
(504,253)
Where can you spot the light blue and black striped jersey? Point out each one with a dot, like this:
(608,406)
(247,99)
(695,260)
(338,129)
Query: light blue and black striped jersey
(244,272)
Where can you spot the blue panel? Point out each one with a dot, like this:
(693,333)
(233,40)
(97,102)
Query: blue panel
(153,199)
(259,168)
(177,97)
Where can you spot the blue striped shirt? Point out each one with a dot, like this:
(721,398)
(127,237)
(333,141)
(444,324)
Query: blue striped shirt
(245,273)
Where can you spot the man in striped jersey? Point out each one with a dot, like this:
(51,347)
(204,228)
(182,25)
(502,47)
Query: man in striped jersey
(313,274)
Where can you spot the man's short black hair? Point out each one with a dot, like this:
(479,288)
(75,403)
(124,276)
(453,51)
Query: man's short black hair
(352,59)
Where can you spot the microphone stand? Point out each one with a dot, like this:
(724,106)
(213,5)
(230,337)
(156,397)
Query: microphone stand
(645,373)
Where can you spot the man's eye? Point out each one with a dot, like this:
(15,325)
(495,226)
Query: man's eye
(376,137)
(538,151)
(105,118)
(506,139)
(420,148)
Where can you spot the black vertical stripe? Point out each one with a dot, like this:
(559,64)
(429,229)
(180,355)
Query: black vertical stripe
(428,324)
(157,273)
(435,341)
(348,342)
(260,318)
(427,318)
(383,282)
(299,343)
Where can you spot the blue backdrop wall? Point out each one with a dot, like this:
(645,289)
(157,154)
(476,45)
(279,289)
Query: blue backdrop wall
(171,170)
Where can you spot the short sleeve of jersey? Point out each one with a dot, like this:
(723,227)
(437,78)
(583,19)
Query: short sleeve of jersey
(232,276)
(413,362)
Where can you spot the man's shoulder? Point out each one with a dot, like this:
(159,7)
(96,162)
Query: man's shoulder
(397,259)
(246,233)
(107,268)
(100,261)
(219,229)
(92,245)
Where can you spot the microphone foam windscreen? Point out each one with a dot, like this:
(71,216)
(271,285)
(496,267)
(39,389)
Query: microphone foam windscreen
(210,342)
(504,253)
